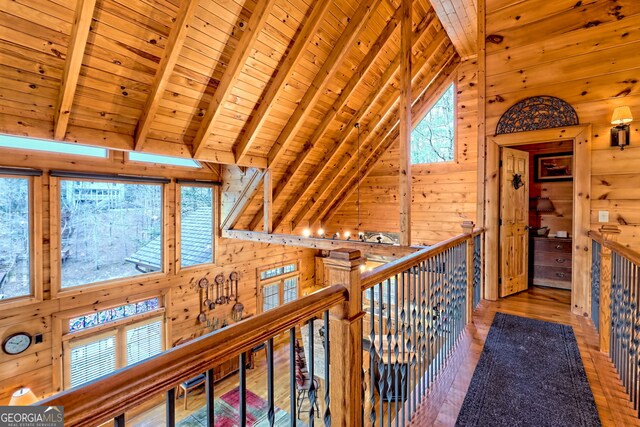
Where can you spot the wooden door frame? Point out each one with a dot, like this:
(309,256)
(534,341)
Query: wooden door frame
(580,135)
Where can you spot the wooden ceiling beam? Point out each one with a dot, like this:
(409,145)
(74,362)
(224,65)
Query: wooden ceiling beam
(230,77)
(363,68)
(383,249)
(420,108)
(255,179)
(375,135)
(167,64)
(267,101)
(73,63)
(325,74)
(421,59)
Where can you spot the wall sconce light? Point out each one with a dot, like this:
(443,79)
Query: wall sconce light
(23,397)
(620,132)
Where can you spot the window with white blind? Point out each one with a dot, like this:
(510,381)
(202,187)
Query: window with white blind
(143,341)
(278,285)
(92,358)
(101,349)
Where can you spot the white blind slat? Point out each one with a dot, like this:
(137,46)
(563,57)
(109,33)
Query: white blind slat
(91,360)
(144,341)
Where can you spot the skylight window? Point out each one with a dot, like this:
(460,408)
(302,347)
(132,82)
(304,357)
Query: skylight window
(51,146)
(432,140)
(135,156)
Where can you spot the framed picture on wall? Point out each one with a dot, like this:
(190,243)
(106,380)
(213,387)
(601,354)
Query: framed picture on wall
(553,167)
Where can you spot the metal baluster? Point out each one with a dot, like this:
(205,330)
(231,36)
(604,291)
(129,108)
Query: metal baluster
(292,377)
(327,358)
(243,388)
(625,347)
(271,414)
(170,408)
(389,366)
(414,347)
(372,345)
(118,421)
(381,364)
(310,366)
(404,280)
(396,349)
(422,321)
(210,378)
(636,328)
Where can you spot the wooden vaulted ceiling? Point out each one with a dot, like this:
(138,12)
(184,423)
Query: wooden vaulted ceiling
(271,84)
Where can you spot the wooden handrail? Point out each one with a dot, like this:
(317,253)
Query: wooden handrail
(375,276)
(620,249)
(127,388)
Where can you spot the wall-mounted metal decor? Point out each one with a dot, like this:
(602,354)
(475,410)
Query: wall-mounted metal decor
(535,113)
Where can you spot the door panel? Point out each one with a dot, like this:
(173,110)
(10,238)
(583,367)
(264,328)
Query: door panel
(514,213)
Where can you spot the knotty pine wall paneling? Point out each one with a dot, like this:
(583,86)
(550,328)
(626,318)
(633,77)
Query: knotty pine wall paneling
(34,368)
(587,54)
(444,195)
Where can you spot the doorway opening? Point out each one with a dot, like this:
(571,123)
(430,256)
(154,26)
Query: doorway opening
(536,216)
(580,138)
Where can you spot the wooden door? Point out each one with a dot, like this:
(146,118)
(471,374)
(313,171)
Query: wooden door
(514,216)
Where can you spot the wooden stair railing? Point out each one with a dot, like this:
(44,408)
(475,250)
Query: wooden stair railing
(112,396)
(615,305)
(415,310)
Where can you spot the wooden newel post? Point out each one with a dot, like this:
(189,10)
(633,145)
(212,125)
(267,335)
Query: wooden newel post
(609,233)
(468,227)
(345,337)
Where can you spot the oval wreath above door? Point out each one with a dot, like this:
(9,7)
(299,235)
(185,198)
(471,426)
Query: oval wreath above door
(535,113)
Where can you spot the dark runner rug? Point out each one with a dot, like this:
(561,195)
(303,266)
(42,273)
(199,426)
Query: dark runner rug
(530,374)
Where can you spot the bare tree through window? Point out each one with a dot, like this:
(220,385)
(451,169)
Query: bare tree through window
(15,280)
(432,140)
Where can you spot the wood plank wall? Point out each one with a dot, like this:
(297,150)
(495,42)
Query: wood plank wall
(34,368)
(444,195)
(586,53)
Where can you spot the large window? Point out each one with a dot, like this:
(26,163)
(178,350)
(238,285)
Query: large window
(51,146)
(109,230)
(196,225)
(278,285)
(97,344)
(15,238)
(432,140)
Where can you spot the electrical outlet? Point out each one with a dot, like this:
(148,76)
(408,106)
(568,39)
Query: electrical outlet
(603,216)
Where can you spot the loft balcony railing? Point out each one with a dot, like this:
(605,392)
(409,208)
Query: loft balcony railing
(388,333)
(615,306)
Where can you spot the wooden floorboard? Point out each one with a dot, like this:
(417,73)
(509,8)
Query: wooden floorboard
(443,403)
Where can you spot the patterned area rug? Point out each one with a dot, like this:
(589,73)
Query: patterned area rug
(226,412)
(530,374)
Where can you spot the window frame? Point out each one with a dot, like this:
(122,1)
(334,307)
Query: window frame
(61,336)
(280,280)
(451,82)
(35,244)
(55,239)
(214,225)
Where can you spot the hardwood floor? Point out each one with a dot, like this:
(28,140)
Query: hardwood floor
(442,405)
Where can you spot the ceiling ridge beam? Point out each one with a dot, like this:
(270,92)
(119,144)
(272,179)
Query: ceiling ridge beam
(165,69)
(392,137)
(363,68)
(230,76)
(424,58)
(330,66)
(71,74)
(266,101)
(255,179)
